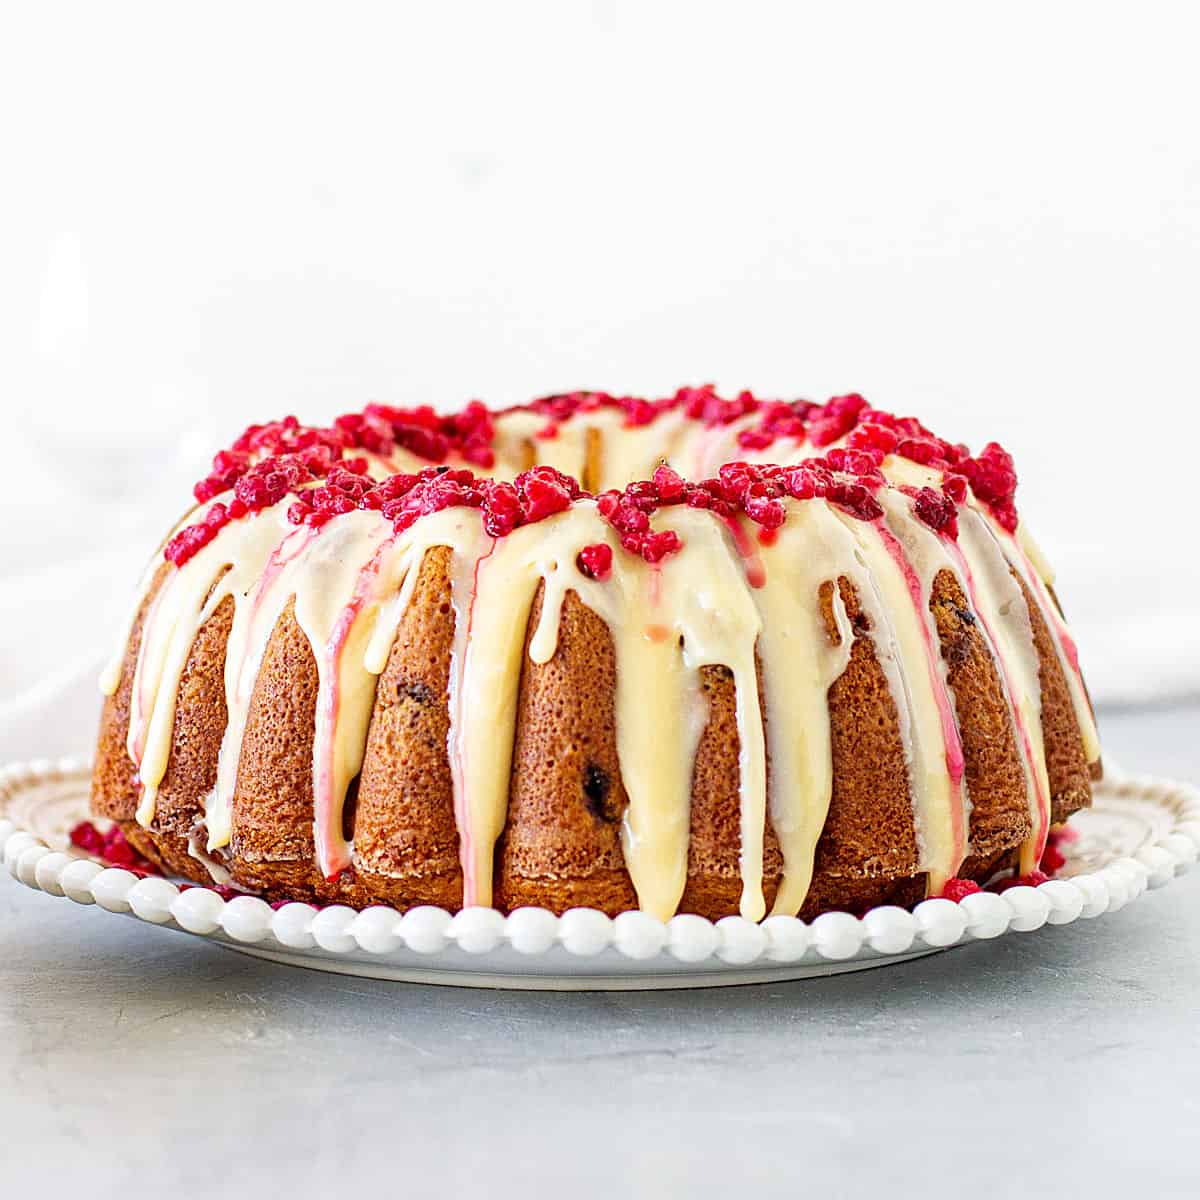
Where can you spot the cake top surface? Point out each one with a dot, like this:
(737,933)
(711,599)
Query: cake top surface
(834,451)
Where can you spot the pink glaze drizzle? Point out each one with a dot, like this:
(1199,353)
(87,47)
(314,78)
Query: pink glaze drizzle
(333,852)
(756,573)
(1070,650)
(1042,832)
(955,762)
(279,559)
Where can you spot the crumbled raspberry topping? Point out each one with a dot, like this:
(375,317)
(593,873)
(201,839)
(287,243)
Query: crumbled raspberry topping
(845,478)
(955,486)
(342,492)
(850,489)
(863,463)
(317,448)
(111,847)
(756,492)
(1053,858)
(874,438)
(885,433)
(316,467)
(1052,861)
(262,485)
(780,419)
(703,404)
(936,509)
(956,889)
(628,513)
(287,436)
(835,419)
(195,537)
(380,428)
(595,561)
(926,451)
(403,499)
(564,406)
(994,481)
(1032,879)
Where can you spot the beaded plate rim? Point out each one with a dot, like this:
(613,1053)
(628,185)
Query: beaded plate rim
(584,948)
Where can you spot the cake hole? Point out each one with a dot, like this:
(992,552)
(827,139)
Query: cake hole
(415,690)
(350,809)
(597,788)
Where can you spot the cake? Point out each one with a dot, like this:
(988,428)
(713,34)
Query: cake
(698,654)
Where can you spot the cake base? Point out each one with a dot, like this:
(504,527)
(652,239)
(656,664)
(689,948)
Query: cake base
(1139,833)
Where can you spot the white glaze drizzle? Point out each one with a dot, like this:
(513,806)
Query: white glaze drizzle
(922,555)
(1060,636)
(933,749)
(664,629)
(231,564)
(1026,558)
(110,675)
(997,602)
(337,601)
(800,664)
(693,610)
(259,602)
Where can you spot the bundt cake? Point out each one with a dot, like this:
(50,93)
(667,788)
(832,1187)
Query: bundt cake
(697,654)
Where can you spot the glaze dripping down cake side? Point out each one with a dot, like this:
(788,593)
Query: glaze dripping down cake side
(695,655)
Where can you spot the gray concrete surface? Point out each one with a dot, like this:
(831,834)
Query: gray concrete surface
(141,1062)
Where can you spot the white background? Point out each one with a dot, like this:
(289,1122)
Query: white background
(986,215)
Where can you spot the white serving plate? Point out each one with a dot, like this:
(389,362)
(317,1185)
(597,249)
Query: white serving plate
(1140,833)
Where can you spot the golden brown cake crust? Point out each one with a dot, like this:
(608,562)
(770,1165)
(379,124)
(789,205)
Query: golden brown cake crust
(200,717)
(714,884)
(115,786)
(993,770)
(869,831)
(272,819)
(114,776)
(405,836)
(562,844)
(1095,769)
(1066,763)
